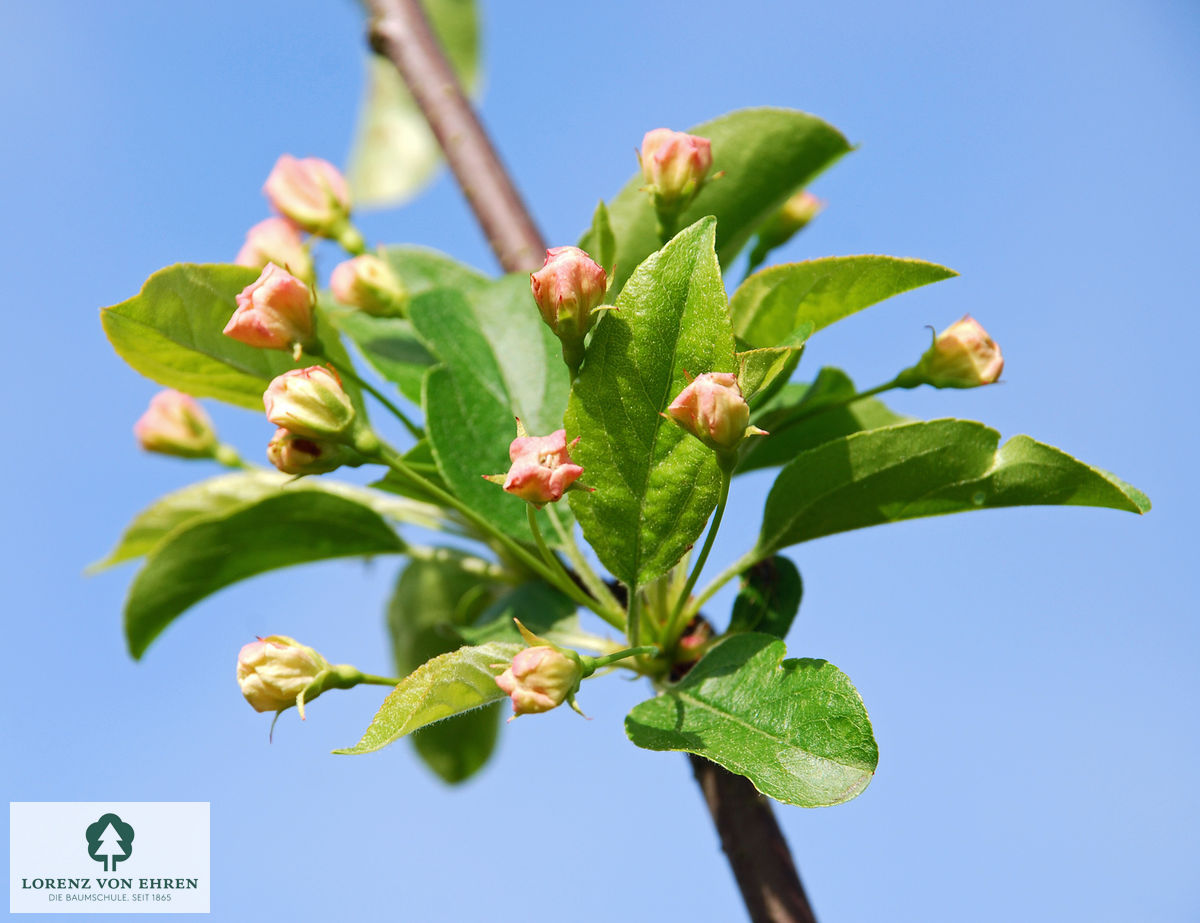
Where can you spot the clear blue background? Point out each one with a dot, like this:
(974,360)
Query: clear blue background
(1031,674)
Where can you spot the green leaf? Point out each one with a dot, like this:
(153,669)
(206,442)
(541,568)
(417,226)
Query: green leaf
(802,417)
(432,599)
(211,552)
(797,729)
(453,683)
(394,153)
(599,242)
(926,469)
(500,361)
(655,485)
(771,304)
(766,155)
(171,333)
(769,598)
(541,609)
(758,369)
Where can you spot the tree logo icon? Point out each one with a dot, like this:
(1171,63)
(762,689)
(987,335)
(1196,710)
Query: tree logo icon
(110,840)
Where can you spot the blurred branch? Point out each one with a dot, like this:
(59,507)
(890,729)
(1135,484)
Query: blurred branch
(400,32)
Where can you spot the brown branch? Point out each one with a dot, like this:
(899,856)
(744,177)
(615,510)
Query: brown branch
(400,32)
(745,822)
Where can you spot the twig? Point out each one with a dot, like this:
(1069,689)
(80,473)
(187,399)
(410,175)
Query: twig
(401,33)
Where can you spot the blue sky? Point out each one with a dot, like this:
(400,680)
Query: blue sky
(1030,673)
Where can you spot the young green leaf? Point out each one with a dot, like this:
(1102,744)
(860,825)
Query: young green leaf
(453,683)
(771,304)
(600,243)
(655,485)
(766,155)
(797,729)
(213,551)
(926,469)
(769,598)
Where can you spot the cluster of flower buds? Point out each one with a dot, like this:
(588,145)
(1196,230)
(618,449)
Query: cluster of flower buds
(541,677)
(962,356)
(542,470)
(368,283)
(278,241)
(318,427)
(713,410)
(569,289)
(274,312)
(675,166)
(277,672)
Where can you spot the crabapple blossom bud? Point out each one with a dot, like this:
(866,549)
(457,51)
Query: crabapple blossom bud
(568,287)
(962,356)
(274,671)
(793,216)
(542,470)
(294,454)
(310,192)
(675,165)
(310,402)
(368,283)
(273,312)
(174,424)
(541,678)
(713,410)
(277,241)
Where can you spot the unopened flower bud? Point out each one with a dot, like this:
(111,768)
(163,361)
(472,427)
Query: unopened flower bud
(962,356)
(273,672)
(793,216)
(568,287)
(310,192)
(310,402)
(277,241)
(174,424)
(541,678)
(369,284)
(675,165)
(273,312)
(542,470)
(713,410)
(294,454)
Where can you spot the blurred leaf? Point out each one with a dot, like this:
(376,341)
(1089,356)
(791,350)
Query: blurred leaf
(797,729)
(432,599)
(394,153)
(541,609)
(769,598)
(448,685)
(213,551)
(767,154)
(599,242)
(926,469)
(802,417)
(171,333)
(771,304)
(655,485)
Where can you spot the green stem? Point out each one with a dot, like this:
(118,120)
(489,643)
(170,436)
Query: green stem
(633,622)
(372,680)
(590,578)
(749,559)
(550,558)
(347,372)
(673,623)
(592,664)
(228,456)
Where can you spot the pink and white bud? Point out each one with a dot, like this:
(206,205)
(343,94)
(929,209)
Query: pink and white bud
(273,312)
(369,284)
(540,678)
(294,454)
(568,287)
(713,410)
(542,470)
(277,241)
(174,424)
(273,672)
(310,402)
(675,164)
(962,356)
(310,192)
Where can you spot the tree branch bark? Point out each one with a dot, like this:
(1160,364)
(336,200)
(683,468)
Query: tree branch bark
(750,835)
(400,32)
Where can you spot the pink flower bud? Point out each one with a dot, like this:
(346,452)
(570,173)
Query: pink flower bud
(542,470)
(294,454)
(962,356)
(272,672)
(568,287)
(273,312)
(540,678)
(175,424)
(368,283)
(713,410)
(311,192)
(277,241)
(675,164)
(310,402)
